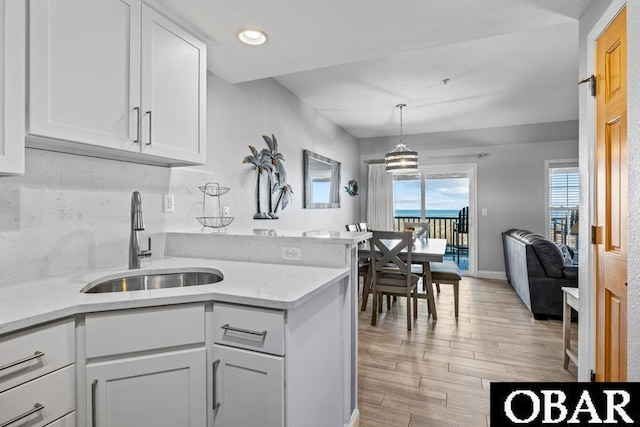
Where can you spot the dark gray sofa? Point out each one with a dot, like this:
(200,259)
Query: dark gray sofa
(536,270)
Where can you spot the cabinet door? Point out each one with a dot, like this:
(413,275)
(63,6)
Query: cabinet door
(173,90)
(167,389)
(84,71)
(12,111)
(249,387)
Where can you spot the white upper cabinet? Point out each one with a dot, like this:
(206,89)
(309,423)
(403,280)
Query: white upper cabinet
(91,65)
(173,95)
(12,107)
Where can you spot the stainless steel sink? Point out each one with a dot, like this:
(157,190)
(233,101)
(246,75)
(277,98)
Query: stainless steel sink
(153,279)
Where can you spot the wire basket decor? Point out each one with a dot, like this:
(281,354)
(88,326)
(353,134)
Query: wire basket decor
(213,189)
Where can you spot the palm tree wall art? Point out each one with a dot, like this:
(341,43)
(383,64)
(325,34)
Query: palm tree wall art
(270,161)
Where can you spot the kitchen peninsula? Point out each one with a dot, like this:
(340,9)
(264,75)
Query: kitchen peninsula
(306,312)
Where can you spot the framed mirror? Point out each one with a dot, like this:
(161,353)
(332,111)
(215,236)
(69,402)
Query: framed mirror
(321,181)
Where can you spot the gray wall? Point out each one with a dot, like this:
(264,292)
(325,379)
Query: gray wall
(70,213)
(511,180)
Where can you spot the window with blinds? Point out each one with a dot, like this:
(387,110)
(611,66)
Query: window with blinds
(564,203)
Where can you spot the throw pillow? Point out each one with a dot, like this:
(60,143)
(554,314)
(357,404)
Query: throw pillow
(567,254)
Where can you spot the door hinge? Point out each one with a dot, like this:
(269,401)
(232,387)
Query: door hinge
(595,235)
(592,377)
(592,84)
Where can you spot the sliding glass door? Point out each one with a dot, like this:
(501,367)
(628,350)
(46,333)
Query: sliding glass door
(441,195)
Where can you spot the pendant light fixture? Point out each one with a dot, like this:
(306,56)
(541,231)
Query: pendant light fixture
(401,158)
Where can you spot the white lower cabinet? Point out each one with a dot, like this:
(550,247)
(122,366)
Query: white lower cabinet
(248,366)
(67,421)
(146,367)
(249,388)
(37,375)
(40,401)
(166,389)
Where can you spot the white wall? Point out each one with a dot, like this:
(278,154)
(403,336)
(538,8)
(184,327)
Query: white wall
(70,213)
(511,180)
(633,102)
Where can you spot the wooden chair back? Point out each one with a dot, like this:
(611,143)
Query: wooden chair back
(351,227)
(363,226)
(390,244)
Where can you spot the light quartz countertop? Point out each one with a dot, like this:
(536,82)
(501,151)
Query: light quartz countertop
(30,302)
(314,236)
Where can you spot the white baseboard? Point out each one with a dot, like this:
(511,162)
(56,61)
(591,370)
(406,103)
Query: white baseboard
(355,419)
(496,275)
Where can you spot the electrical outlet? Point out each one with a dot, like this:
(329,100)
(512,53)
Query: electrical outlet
(484,211)
(168,203)
(293,254)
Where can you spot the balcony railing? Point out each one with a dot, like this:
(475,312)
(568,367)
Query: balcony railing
(439,227)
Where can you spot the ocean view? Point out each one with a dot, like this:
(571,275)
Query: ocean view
(435,213)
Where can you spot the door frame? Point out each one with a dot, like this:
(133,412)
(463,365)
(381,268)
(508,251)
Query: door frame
(472,170)
(587,272)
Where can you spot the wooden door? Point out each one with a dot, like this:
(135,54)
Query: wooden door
(173,90)
(611,208)
(84,71)
(166,389)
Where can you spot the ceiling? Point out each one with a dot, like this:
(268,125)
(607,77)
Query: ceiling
(508,62)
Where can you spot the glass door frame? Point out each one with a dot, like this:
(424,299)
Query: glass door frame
(472,170)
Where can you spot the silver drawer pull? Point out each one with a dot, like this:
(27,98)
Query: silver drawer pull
(18,362)
(244,331)
(37,407)
(94,387)
(216,404)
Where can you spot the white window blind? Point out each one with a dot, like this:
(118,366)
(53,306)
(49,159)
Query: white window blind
(564,202)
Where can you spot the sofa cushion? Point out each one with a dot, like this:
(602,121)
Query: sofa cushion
(519,234)
(548,253)
(570,273)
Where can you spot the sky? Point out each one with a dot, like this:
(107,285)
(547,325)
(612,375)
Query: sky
(442,194)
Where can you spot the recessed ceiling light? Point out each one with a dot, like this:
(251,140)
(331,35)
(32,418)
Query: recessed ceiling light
(252,36)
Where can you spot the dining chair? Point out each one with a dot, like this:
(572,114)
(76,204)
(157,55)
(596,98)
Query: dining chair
(362,226)
(391,275)
(448,273)
(421,228)
(460,227)
(351,227)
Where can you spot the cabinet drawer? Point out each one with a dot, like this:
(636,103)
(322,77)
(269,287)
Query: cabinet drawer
(128,331)
(56,341)
(54,392)
(66,421)
(252,328)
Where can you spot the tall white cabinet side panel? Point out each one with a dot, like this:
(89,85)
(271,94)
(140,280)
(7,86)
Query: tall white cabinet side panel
(84,71)
(12,81)
(249,387)
(173,90)
(315,360)
(164,389)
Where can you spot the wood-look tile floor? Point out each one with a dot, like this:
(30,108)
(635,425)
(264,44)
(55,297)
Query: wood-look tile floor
(439,374)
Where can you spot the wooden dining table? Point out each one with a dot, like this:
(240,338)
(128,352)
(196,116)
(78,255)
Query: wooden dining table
(423,252)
